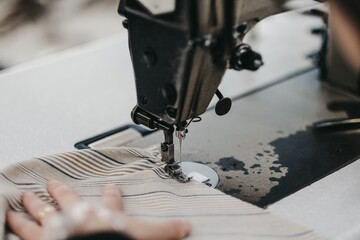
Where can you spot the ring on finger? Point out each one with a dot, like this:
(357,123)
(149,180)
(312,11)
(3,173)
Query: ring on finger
(43,212)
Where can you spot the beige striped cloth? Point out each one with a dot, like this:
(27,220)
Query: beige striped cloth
(148,193)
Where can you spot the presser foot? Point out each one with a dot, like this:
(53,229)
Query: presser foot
(175,171)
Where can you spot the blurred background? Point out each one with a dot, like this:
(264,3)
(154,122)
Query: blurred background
(30,29)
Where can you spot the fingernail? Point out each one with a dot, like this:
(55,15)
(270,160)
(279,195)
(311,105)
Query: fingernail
(28,194)
(186,228)
(53,182)
(10,215)
(10,212)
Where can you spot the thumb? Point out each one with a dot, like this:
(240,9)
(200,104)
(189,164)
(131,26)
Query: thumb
(168,230)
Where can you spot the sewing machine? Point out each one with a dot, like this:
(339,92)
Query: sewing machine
(180,51)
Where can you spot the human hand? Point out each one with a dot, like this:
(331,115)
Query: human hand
(346,32)
(106,216)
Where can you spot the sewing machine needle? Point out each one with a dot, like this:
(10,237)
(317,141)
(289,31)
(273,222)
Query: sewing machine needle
(181,136)
(180,144)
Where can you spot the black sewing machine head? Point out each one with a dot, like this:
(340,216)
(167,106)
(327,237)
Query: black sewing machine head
(180,51)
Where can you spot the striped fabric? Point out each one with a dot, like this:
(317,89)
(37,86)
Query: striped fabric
(148,193)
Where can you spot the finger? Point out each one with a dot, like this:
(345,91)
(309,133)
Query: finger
(168,230)
(37,208)
(111,197)
(22,227)
(63,194)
